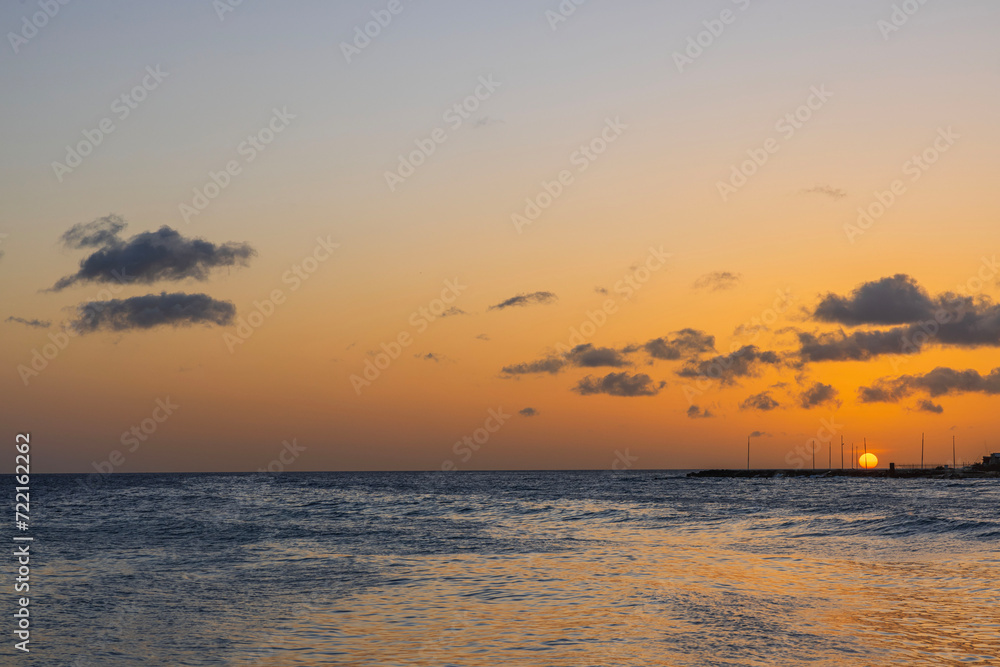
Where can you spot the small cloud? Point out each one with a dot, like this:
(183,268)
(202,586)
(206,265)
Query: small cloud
(762,402)
(619,384)
(152,310)
(695,412)
(483,337)
(827,191)
(927,405)
(551,365)
(601,290)
(453,312)
(683,343)
(522,300)
(38,324)
(817,395)
(760,434)
(485,121)
(147,257)
(430,356)
(718,281)
(528,412)
(588,356)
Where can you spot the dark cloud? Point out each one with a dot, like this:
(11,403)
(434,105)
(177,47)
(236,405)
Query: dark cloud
(483,337)
(150,256)
(38,324)
(581,356)
(834,193)
(601,290)
(453,312)
(695,412)
(588,356)
(927,405)
(551,365)
(152,310)
(96,233)
(619,384)
(762,401)
(526,300)
(895,300)
(966,323)
(744,362)
(939,382)
(683,343)
(760,434)
(528,412)
(817,395)
(430,356)
(718,281)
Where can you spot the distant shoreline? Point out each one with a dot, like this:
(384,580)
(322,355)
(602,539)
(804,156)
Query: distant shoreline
(931,473)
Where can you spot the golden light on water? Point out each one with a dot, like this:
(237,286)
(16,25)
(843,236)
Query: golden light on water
(868,461)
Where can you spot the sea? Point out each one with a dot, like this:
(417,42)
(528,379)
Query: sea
(483,569)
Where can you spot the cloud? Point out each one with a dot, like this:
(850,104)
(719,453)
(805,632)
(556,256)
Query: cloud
(968,324)
(762,401)
(895,300)
(96,233)
(718,281)
(430,356)
(551,365)
(588,356)
(817,395)
(941,381)
(581,356)
(927,405)
(744,362)
(760,434)
(148,257)
(483,337)
(38,324)
(683,343)
(695,412)
(528,412)
(619,384)
(152,310)
(526,300)
(601,290)
(453,312)
(834,193)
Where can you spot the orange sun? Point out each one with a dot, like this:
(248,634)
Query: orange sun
(868,461)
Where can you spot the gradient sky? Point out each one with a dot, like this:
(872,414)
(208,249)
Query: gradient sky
(656,186)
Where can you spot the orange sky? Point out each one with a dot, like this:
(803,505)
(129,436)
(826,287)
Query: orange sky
(655,184)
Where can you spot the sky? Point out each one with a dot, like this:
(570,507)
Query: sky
(522,235)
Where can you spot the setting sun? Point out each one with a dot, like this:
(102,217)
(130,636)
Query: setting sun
(868,461)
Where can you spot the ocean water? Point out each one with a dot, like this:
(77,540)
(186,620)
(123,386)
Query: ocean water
(488,569)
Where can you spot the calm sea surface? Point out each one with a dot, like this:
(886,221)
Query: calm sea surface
(489,569)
